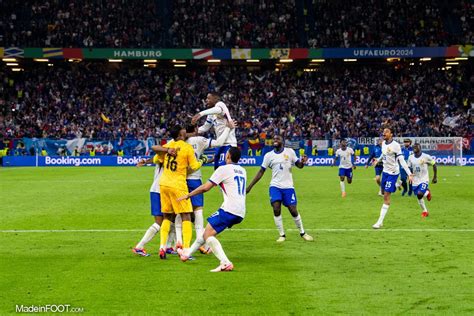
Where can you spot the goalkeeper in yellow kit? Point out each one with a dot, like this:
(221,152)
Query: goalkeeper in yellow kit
(173,185)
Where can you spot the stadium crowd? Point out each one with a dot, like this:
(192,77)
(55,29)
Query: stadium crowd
(235,23)
(391,23)
(66,101)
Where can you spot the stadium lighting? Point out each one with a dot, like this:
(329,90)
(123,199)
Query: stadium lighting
(286,60)
(412,64)
(150,60)
(213,60)
(310,69)
(425,59)
(76,60)
(50,65)
(180,65)
(41,60)
(17,69)
(9,59)
(115,60)
(452,63)
(350,60)
(253,60)
(318,60)
(179,61)
(461,58)
(391,60)
(12,64)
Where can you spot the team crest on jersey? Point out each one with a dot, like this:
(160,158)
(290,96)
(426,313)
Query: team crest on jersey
(286,157)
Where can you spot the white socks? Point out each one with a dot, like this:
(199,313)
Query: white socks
(279,224)
(195,246)
(178,225)
(422,204)
(171,236)
(217,249)
(299,223)
(383,212)
(198,222)
(149,234)
(343,186)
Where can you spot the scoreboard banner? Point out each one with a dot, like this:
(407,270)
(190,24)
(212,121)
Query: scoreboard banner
(235,53)
(128,161)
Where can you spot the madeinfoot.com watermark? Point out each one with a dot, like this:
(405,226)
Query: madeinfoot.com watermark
(48,308)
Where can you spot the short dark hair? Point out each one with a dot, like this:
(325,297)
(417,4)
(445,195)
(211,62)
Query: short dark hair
(190,128)
(235,154)
(214,94)
(174,131)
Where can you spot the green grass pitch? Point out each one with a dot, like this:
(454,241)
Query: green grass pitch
(412,265)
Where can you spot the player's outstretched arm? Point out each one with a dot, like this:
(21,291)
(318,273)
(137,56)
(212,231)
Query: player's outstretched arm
(257,178)
(300,163)
(212,111)
(203,188)
(220,141)
(143,162)
(160,149)
(404,165)
(435,173)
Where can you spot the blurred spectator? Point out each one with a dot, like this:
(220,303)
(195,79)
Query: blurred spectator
(67,100)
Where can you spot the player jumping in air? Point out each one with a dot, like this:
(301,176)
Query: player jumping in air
(281,160)
(345,155)
(418,163)
(391,157)
(218,117)
(231,178)
(377,152)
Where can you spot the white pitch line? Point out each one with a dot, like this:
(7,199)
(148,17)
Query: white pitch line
(427,230)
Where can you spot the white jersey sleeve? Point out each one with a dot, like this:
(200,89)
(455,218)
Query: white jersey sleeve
(232,180)
(266,160)
(199,144)
(155,187)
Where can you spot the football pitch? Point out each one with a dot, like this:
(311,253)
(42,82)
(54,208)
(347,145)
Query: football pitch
(66,236)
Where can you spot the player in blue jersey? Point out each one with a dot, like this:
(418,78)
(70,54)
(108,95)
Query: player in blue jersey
(407,150)
(282,191)
(377,152)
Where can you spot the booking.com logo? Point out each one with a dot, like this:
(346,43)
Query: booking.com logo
(69,161)
(128,160)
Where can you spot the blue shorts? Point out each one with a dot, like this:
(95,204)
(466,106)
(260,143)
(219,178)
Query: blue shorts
(389,182)
(378,170)
(155,204)
(219,156)
(421,188)
(403,175)
(286,196)
(345,172)
(197,200)
(221,220)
